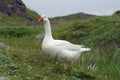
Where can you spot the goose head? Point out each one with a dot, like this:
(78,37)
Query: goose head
(43,18)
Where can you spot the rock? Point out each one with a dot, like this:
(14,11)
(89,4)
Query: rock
(4,78)
(3,45)
(10,7)
(39,37)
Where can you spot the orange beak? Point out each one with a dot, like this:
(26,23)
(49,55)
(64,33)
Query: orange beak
(41,19)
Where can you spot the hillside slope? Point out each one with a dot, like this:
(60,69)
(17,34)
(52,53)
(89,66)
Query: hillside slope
(14,13)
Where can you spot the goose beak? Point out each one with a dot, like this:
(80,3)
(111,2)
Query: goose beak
(41,19)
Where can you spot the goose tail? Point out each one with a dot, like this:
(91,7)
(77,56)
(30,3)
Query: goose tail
(85,49)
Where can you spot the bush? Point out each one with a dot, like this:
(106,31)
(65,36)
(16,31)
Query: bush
(117,12)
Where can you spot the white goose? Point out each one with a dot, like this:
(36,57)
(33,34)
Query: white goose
(59,48)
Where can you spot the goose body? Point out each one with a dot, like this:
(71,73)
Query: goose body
(59,48)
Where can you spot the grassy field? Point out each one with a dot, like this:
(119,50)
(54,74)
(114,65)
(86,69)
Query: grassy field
(24,59)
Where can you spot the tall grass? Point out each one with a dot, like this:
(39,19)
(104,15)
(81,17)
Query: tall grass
(102,35)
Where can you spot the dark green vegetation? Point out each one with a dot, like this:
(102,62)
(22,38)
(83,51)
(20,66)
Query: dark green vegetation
(24,60)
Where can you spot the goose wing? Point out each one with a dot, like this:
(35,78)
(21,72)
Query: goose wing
(67,45)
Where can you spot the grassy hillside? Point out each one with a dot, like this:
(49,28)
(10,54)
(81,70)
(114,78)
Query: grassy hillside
(15,20)
(24,60)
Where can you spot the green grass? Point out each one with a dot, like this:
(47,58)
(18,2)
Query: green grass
(27,61)
(13,20)
(103,36)
(24,60)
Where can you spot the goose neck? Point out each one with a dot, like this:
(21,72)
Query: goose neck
(48,33)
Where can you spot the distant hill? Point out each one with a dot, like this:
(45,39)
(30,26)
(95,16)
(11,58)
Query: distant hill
(71,17)
(75,16)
